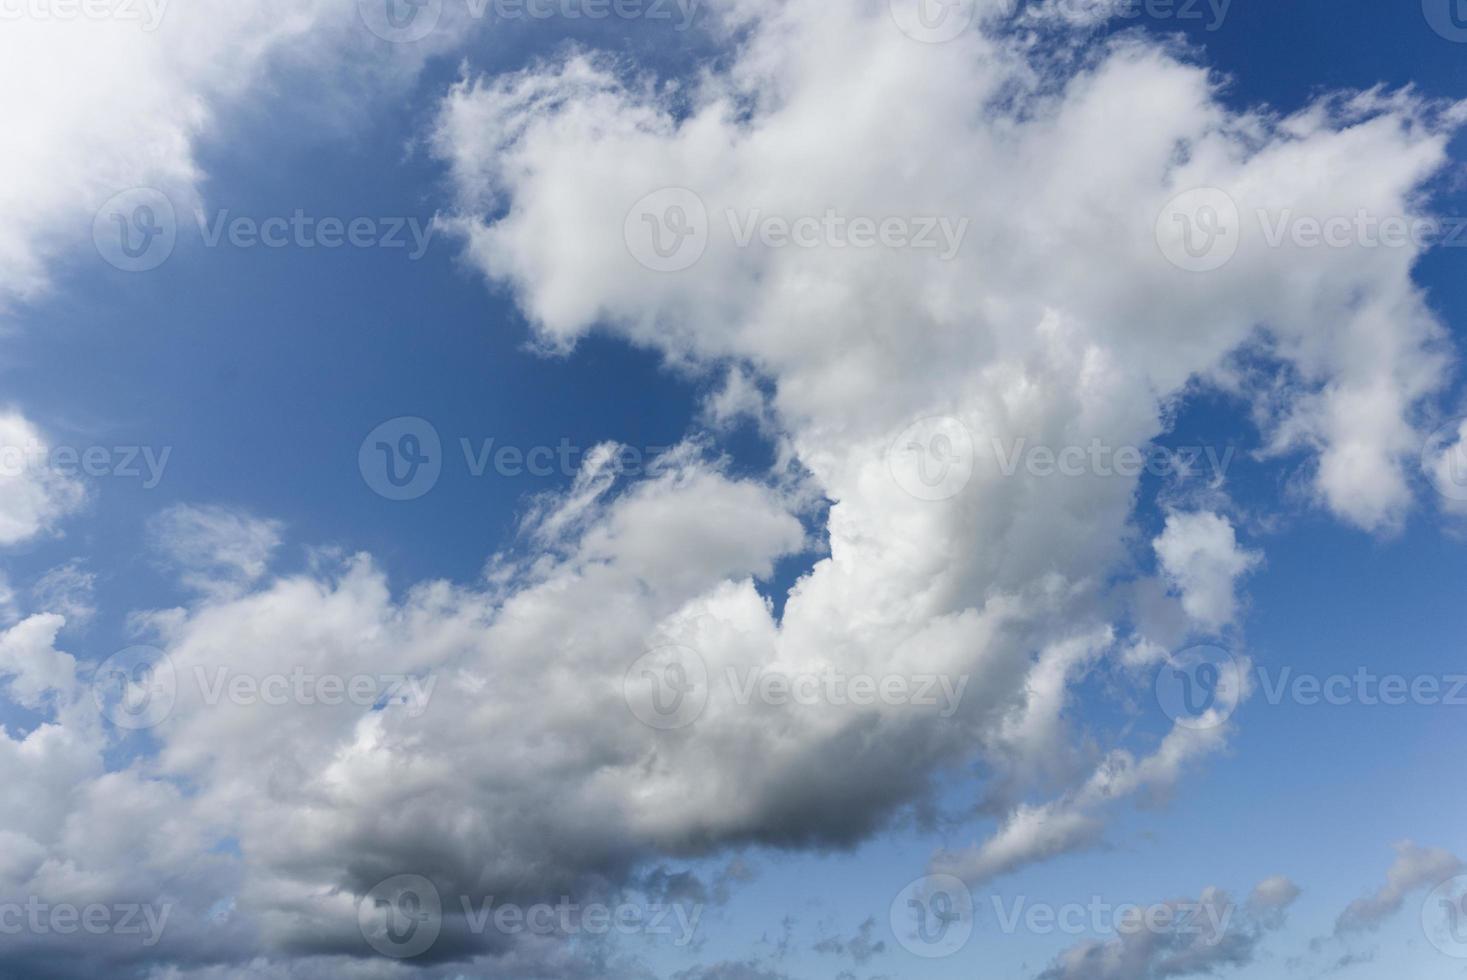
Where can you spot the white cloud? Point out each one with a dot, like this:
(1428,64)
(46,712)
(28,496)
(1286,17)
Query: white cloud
(214,549)
(1201,559)
(34,495)
(77,833)
(1201,937)
(1058,322)
(1274,893)
(97,105)
(67,590)
(1415,868)
(524,775)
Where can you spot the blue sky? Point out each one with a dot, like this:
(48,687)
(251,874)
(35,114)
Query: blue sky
(771,381)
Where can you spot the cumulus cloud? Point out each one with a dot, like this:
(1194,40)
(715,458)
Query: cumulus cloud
(1201,559)
(551,164)
(76,834)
